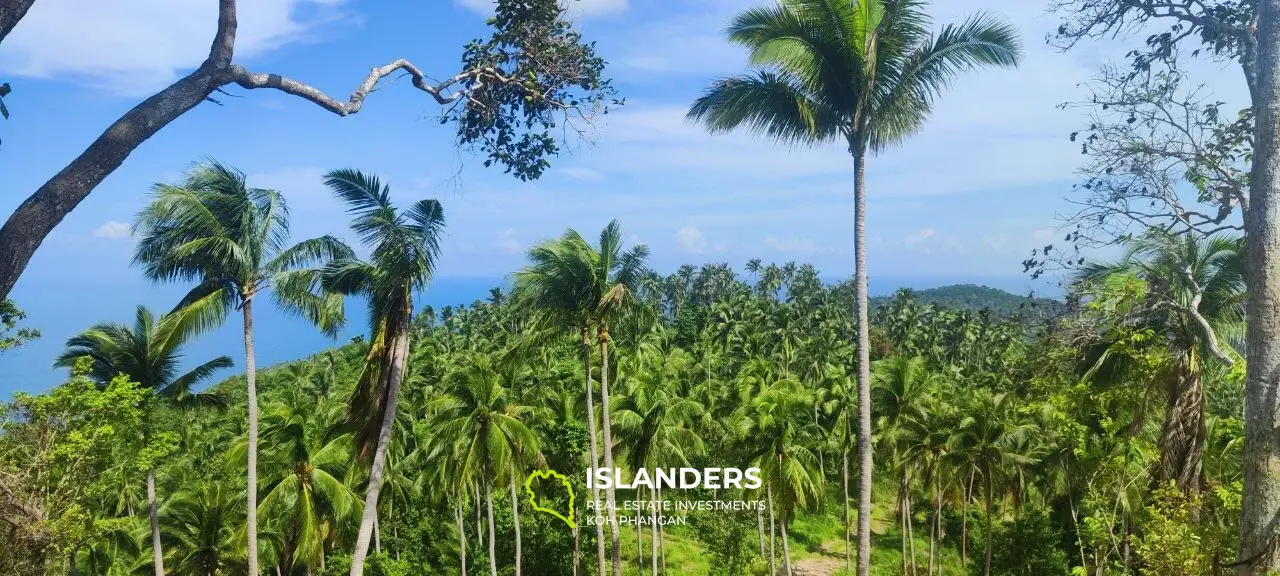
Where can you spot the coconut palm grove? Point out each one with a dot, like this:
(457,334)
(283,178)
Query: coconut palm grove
(607,406)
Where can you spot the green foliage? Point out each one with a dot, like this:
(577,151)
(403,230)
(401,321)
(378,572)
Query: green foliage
(731,540)
(10,316)
(1030,545)
(1172,544)
(532,75)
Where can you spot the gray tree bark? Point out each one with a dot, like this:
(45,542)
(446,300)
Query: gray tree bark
(251,392)
(610,492)
(595,450)
(864,362)
(493,549)
(395,377)
(157,553)
(1260,518)
(515,517)
(11,12)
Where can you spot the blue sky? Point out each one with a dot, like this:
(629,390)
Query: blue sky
(968,197)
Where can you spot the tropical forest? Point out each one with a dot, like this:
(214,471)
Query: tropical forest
(1118,420)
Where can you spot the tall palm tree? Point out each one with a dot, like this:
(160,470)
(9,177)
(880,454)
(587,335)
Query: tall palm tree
(200,528)
(214,229)
(901,387)
(1192,293)
(864,73)
(481,426)
(574,284)
(148,353)
(405,246)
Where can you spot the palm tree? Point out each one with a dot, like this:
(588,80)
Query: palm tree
(304,492)
(200,529)
(404,251)
(232,239)
(989,436)
(1191,291)
(777,433)
(864,73)
(148,353)
(481,427)
(901,387)
(574,284)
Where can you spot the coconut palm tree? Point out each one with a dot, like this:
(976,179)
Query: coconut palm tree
(200,528)
(989,437)
(148,353)
(777,434)
(574,284)
(214,229)
(864,73)
(1191,290)
(482,427)
(304,492)
(405,246)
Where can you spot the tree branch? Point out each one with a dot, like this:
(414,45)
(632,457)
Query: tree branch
(253,80)
(11,12)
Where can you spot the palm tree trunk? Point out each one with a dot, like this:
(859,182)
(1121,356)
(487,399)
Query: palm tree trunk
(786,548)
(986,521)
(760,528)
(911,536)
(902,529)
(967,489)
(462,537)
(157,554)
(653,532)
(395,376)
(864,362)
(577,545)
(773,558)
(1183,434)
(515,517)
(848,517)
(611,495)
(493,549)
(479,514)
(71,563)
(935,527)
(251,392)
(595,450)
(639,541)
(662,543)
(377,535)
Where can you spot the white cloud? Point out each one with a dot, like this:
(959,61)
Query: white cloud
(574,8)
(792,245)
(919,236)
(112,230)
(421,183)
(133,47)
(580,173)
(690,240)
(1042,235)
(508,242)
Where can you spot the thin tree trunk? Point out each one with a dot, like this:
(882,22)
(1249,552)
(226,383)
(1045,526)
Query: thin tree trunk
(71,563)
(395,535)
(606,419)
(462,537)
(653,531)
(479,514)
(773,557)
(848,516)
(786,548)
(864,363)
(493,549)
(377,535)
(662,542)
(935,527)
(515,518)
(902,529)
(395,376)
(157,554)
(1260,515)
(639,541)
(911,537)
(251,392)
(760,528)
(595,450)
(986,521)
(964,519)
(577,545)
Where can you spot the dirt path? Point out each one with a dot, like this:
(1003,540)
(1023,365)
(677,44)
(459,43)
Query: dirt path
(817,566)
